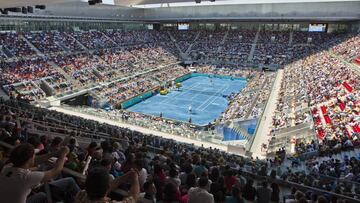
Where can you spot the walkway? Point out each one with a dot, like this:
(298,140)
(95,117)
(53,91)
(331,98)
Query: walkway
(144,130)
(3,94)
(265,125)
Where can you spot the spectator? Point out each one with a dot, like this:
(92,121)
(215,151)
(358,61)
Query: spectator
(149,195)
(275,194)
(183,175)
(218,189)
(171,194)
(230,180)
(200,194)
(263,193)
(235,196)
(173,177)
(143,174)
(249,192)
(97,186)
(17,181)
(199,167)
(91,149)
(55,144)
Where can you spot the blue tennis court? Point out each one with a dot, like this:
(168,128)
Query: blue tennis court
(205,95)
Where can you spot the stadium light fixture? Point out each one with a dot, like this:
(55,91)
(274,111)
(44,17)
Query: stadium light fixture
(14,9)
(42,7)
(93,2)
(4,11)
(24,10)
(30,9)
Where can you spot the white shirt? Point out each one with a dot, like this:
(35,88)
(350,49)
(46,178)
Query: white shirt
(142,176)
(196,195)
(175,181)
(16,184)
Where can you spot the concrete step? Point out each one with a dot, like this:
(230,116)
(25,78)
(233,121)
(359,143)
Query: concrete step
(189,49)
(38,52)
(253,46)
(175,42)
(77,41)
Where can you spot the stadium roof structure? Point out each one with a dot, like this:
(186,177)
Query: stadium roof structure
(178,3)
(19,3)
(157,3)
(188,10)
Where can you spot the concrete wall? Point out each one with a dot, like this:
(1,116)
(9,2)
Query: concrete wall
(301,11)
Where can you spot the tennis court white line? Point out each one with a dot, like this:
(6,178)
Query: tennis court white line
(168,100)
(211,97)
(214,98)
(176,96)
(195,95)
(192,87)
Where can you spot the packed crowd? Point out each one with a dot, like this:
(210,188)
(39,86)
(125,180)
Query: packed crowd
(346,168)
(64,51)
(293,95)
(184,38)
(94,39)
(22,70)
(150,49)
(118,92)
(44,41)
(208,41)
(329,88)
(13,45)
(79,66)
(271,48)
(135,37)
(315,38)
(153,169)
(134,168)
(272,54)
(274,37)
(349,49)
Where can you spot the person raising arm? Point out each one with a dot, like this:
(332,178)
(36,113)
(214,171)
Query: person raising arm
(17,180)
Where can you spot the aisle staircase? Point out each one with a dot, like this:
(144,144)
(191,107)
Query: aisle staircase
(77,41)
(62,72)
(242,132)
(254,101)
(196,38)
(3,52)
(38,52)
(253,46)
(291,38)
(235,132)
(175,42)
(3,95)
(354,67)
(111,40)
(223,41)
(62,46)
